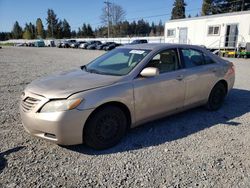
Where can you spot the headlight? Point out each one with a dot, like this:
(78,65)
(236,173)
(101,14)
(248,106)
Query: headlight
(61,105)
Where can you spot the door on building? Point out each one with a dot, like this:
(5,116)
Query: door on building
(183,39)
(231,35)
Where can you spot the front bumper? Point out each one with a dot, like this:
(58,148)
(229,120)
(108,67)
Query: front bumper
(65,128)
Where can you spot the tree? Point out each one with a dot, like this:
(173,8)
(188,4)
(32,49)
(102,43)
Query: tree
(5,36)
(66,29)
(29,31)
(84,30)
(112,15)
(153,30)
(225,6)
(59,30)
(17,31)
(160,29)
(90,32)
(178,10)
(73,34)
(52,22)
(40,32)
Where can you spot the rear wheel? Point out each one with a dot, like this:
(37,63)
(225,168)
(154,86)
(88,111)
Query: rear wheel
(216,97)
(105,128)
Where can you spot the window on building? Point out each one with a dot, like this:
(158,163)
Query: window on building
(171,33)
(214,30)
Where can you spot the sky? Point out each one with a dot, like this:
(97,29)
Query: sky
(77,12)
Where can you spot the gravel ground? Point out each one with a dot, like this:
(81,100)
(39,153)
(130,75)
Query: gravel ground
(196,148)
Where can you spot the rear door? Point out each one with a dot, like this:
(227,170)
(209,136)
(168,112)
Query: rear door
(200,75)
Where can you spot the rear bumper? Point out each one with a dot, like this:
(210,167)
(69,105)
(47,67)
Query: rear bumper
(63,128)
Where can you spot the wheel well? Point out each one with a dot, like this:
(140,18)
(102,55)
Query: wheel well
(120,105)
(224,83)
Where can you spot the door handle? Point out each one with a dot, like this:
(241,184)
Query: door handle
(180,77)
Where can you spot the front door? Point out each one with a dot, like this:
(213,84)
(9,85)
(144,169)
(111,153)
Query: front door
(183,39)
(155,96)
(231,35)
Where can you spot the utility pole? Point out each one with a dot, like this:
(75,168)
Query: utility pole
(243,5)
(108,11)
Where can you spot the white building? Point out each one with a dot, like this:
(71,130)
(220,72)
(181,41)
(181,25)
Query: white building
(214,32)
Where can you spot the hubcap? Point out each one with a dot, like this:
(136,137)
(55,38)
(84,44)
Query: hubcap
(107,127)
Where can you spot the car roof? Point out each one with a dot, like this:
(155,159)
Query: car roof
(158,46)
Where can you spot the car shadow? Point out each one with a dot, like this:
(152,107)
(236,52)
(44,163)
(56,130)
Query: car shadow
(3,160)
(178,126)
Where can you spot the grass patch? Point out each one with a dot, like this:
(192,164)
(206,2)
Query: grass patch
(7,44)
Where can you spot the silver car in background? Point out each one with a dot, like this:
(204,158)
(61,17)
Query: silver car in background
(97,103)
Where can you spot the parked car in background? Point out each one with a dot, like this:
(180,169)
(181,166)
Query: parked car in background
(65,44)
(84,46)
(139,41)
(111,46)
(77,44)
(94,45)
(101,46)
(49,43)
(128,86)
(39,43)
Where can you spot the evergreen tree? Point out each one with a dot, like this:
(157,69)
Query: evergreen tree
(52,22)
(207,7)
(178,10)
(17,31)
(90,32)
(160,29)
(59,30)
(5,36)
(84,31)
(27,32)
(40,32)
(32,30)
(66,29)
(73,34)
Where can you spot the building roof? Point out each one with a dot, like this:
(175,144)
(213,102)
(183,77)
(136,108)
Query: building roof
(210,16)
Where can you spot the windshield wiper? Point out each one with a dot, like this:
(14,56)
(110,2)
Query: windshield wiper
(101,72)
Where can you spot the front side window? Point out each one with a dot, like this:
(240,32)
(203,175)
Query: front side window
(171,33)
(192,58)
(117,62)
(214,30)
(165,61)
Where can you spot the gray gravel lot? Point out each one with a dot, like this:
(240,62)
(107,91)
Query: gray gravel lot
(196,148)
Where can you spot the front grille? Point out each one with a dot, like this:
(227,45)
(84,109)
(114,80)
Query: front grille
(29,103)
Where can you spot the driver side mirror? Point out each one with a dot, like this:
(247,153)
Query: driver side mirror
(149,72)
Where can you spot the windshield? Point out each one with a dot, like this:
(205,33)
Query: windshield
(117,62)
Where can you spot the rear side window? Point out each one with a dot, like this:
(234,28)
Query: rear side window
(192,58)
(208,60)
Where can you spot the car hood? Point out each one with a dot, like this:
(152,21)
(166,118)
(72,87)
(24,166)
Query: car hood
(64,84)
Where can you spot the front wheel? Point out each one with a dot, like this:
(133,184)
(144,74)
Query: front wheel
(216,97)
(105,128)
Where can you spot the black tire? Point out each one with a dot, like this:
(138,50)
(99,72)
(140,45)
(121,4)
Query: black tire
(105,128)
(216,97)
